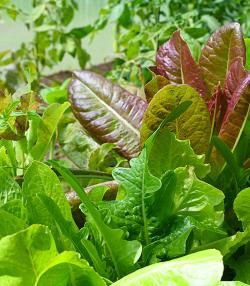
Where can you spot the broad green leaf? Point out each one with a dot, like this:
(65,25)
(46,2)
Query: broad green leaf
(228,245)
(24,255)
(153,86)
(68,229)
(220,51)
(241,207)
(168,153)
(193,124)
(46,128)
(174,61)
(30,258)
(40,179)
(123,254)
(68,269)
(189,197)
(16,207)
(9,188)
(9,223)
(203,268)
(109,113)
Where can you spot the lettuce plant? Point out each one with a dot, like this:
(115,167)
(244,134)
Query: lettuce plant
(219,78)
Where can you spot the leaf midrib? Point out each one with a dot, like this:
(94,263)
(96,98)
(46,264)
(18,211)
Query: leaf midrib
(113,111)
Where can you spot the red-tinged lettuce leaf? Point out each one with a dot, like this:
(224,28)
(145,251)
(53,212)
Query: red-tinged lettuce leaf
(107,111)
(235,77)
(175,62)
(234,120)
(153,86)
(218,103)
(193,124)
(236,114)
(221,50)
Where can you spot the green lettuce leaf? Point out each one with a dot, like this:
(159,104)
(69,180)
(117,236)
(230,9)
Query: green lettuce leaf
(188,196)
(122,253)
(138,183)
(151,206)
(40,179)
(30,258)
(168,153)
(228,245)
(9,223)
(241,207)
(203,268)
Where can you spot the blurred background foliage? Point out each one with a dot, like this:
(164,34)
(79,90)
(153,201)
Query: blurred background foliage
(43,37)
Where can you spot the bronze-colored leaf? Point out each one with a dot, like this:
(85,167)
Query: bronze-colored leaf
(107,111)
(233,121)
(193,124)
(221,50)
(174,61)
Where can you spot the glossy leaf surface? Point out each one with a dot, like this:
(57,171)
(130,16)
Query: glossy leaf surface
(174,61)
(109,113)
